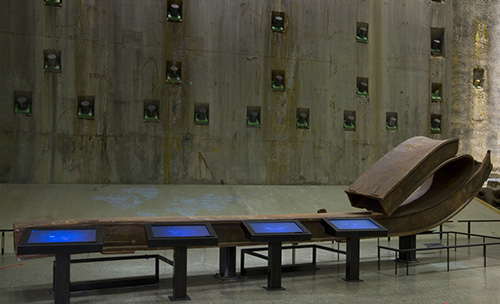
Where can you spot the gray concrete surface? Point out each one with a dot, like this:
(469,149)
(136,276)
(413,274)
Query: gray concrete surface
(117,51)
(474,111)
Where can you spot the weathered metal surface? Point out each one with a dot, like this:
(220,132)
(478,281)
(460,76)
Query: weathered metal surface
(384,186)
(450,188)
(437,207)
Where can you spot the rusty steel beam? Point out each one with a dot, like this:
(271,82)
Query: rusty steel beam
(440,203)
(384,186)
(437,186)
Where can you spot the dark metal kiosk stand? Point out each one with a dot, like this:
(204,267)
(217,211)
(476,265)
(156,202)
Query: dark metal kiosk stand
(275,232)
(408,242)
(353,229)
(62,242)
(227,264)
(180,236)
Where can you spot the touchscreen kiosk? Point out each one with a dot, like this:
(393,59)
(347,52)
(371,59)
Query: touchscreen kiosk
(65,240)
(171,235)
(269,230)
(274,232)
(61,241)
(349,227)
(353,229)
(180,236)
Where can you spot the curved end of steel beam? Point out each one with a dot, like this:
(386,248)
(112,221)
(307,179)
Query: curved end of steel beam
(454,185)
(392,179)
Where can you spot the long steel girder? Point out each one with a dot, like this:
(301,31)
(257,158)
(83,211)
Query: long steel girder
(416,186)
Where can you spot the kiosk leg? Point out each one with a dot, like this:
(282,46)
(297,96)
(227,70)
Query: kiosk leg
(61,278)
(352,259)
(408,242)
(227,263)
(274,266)
(180,274)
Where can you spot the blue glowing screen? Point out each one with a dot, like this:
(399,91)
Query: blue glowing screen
(62,236)
(180,231)
(275,227)
(354,224)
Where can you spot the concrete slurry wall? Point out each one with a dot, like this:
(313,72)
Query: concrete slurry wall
(117,53)
(474,111)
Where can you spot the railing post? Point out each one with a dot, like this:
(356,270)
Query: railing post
(484,251)
(3,241)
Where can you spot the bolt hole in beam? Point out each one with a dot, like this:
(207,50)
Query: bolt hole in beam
(362,32)
(303,118)
(437,42)
(85,107)
(174,72)
(391,120)
(436,123)
(52,61)
(201,113)
(253,118)
(174,11)
(151,111)
(22,102)
(350,120)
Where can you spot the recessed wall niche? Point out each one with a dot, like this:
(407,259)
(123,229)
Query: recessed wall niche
(350,120)
(437,42)
(278,80)
(435,123)
(174,10)
(391,120)
(22,102)
(278,22)
(362,32)
(151,111)
(436,92)
(362,86)
(478,78)
(85,107)
(201,113)
(52,61)
(53,2)
(174,72)
(302,118)
(253,119)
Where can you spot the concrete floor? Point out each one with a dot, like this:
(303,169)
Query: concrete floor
(428,281)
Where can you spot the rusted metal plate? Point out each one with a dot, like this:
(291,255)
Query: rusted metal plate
(384,186)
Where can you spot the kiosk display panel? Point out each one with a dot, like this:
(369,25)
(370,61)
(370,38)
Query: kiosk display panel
(195,234)
(349,227)
(43,240)
(354,224)
(275,230)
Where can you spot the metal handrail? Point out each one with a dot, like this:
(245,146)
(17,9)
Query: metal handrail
(475,221)
(447,247)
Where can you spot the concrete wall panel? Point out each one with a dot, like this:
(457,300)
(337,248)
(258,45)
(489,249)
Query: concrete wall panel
(117,52)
